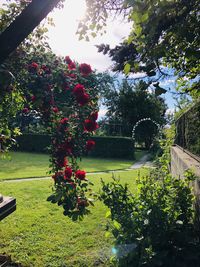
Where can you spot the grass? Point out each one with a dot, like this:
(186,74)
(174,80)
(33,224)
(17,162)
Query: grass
(23,165)
(37,234)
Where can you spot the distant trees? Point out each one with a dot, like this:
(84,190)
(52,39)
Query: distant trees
(127,104)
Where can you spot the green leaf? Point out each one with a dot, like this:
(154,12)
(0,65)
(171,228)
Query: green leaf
(138,30)
(108,214)
(144,17)
(107,234)
(127,68)
(116,225)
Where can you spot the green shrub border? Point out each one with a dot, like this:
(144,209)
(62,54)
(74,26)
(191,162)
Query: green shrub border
(106,146)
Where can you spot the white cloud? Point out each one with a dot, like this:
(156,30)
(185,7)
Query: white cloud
(168,82)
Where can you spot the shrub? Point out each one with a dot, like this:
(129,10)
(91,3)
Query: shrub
(109,147)
(33,142)
(113,147)
(153,227)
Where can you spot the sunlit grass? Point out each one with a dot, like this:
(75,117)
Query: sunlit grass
(38,234)
(22,165)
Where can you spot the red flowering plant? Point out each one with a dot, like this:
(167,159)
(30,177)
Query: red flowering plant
(65,94)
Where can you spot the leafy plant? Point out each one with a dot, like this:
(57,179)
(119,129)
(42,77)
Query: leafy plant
(156,225)
(153,227)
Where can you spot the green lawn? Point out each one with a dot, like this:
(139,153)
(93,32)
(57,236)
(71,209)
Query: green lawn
(23,165)
(37,234)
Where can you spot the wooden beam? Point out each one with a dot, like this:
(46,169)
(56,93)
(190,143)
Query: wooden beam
(23,25)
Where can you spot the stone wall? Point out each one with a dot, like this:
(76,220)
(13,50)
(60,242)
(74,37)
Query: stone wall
(182,161)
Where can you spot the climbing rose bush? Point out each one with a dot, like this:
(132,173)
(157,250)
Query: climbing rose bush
(65,95)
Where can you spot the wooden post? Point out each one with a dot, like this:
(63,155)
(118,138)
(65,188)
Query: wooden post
(23,25)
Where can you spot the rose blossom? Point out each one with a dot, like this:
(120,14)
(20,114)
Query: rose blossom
(25,110)
(33,67)
(64,121)
(33,98)
(72,66)
(80,174)
(68,173)
(55,109)
(85,69)
(90,144)
(78,90)
(68,60)
(83,99)
(90,125)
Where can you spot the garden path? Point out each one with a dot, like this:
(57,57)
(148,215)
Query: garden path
(143,162)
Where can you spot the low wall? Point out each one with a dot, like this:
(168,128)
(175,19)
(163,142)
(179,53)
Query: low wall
(182,161)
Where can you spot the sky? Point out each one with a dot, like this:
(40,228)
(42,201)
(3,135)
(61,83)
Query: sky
(64,41)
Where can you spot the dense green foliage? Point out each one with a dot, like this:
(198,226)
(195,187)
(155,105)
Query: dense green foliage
(155,226)
(164,33)
(106,147)
(113,147)
(188,130)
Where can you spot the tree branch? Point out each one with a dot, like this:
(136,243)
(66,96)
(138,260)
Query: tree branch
(23,25)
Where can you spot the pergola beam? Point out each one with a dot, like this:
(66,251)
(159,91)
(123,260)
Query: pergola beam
(23,25)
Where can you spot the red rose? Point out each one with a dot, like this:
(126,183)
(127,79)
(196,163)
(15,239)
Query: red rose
(80,174)
(33,98)
(62,162)
(68,173)
(25,110)
(82,202)
(46,69)
(68,60)
(33,67)
(55,109)
(72,66)
(85,69)
(90,125)
(72,75)
(90,144)
(64,121)
(83,99)
(78,90)
(94,115)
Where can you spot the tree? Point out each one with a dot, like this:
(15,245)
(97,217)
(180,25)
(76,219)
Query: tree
(128,104)
(164,33)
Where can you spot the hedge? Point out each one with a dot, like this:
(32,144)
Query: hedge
(106,146)
(188,130)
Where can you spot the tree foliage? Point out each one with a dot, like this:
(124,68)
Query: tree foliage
(128,103)
(164,33)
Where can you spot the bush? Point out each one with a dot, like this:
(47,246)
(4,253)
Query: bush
(106,147)
(113,147)
(33,142)
(153,227)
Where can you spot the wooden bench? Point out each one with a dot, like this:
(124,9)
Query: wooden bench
(7,206)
